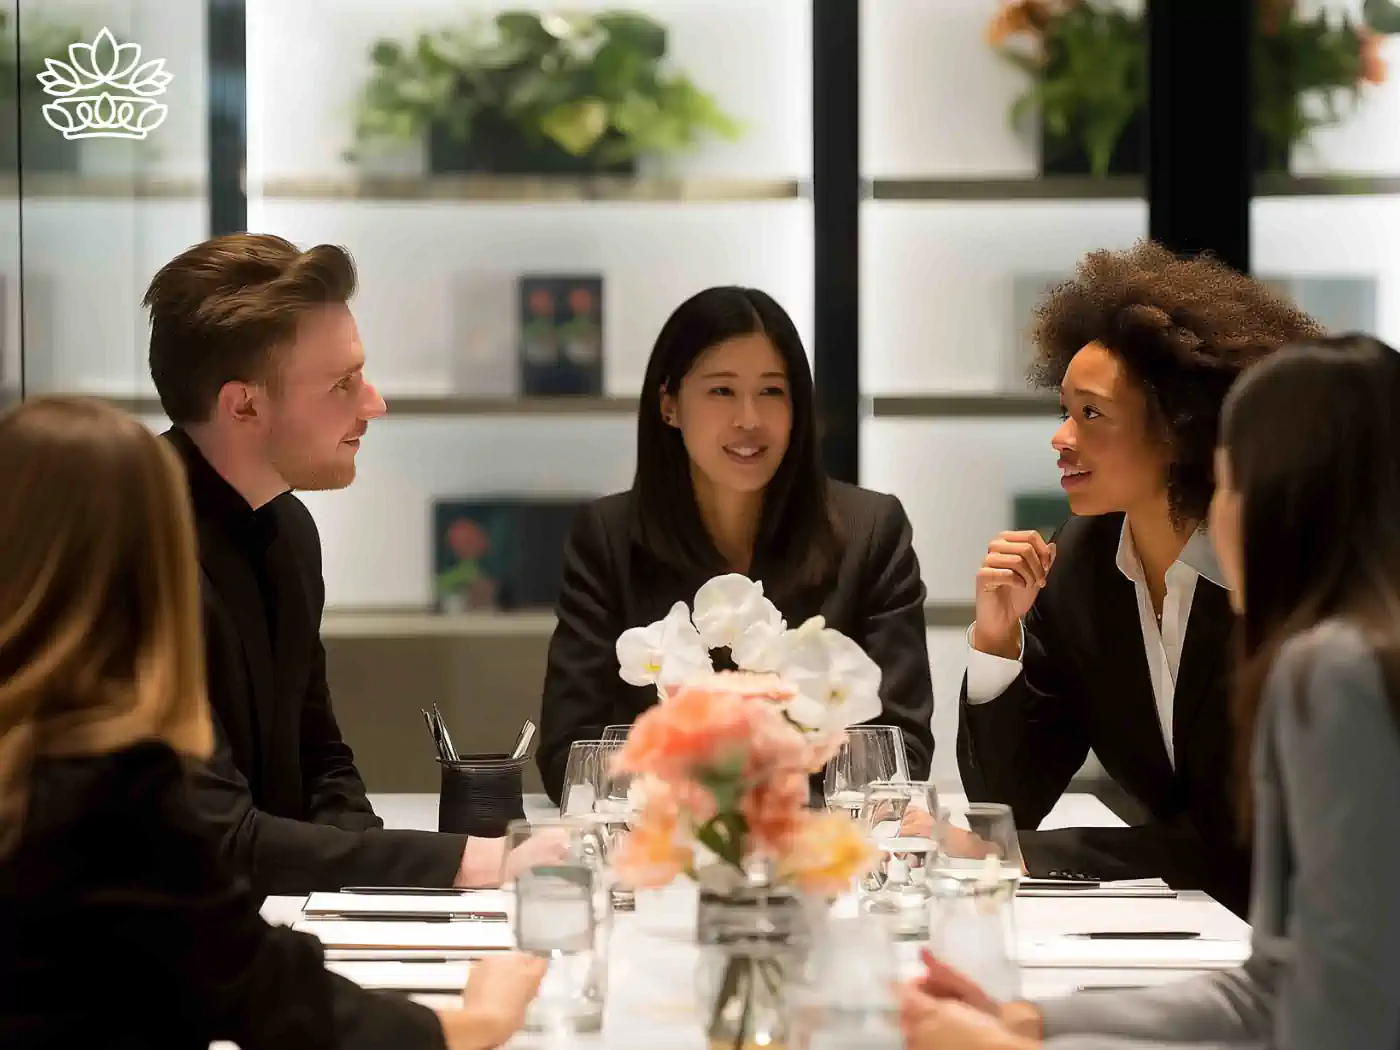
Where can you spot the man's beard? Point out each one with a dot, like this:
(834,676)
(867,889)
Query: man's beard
(304,473)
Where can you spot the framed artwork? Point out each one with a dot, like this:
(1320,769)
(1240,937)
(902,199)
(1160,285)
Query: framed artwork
(499,554)
(561,335)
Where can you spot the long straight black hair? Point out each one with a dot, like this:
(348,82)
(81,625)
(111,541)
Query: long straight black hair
(796,503)
(1312,439)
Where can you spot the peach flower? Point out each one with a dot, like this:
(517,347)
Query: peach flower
(695,729)
(773,810)
(828,851)
(1373,69)
(652,854)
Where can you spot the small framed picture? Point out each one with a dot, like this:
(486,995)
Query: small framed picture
(561,335)
(1044,512)
(499,554)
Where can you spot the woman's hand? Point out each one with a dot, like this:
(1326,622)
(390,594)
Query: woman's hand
(941,981)
(929,1023)
(1010,579)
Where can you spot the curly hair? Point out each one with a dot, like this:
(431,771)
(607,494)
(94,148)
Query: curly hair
(1184,328)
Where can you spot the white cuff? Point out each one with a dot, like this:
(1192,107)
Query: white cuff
(989,676)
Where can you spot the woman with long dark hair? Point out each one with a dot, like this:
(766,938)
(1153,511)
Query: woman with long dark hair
(119,925)
(729,479)
(1306,522)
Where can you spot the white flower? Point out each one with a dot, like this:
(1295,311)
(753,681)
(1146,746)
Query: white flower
(731,612)
(667,652)
(838,685)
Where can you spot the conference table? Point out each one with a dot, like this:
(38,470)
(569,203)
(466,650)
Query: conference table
(653,962)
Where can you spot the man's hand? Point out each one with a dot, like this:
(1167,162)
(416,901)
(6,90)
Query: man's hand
(499,988)
(481,863)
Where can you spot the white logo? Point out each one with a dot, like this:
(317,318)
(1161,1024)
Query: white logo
(104,92)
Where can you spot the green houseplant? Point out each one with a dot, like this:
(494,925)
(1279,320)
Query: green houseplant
(531,93)
(1087,65)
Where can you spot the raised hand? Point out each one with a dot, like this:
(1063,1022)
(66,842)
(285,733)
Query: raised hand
(1012,575)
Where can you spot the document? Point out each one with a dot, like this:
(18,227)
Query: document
(410,977)
(1169,954)
(412,936)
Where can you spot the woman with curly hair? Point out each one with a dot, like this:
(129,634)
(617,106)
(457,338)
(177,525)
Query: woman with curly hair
(1112,636)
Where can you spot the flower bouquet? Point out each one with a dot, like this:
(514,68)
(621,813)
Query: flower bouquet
(721,766)
(722,761)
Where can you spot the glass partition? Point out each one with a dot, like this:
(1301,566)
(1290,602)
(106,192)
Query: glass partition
(978,199)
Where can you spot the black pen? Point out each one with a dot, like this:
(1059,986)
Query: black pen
(408,916)
(1138,935)
(410,891)
(432,730)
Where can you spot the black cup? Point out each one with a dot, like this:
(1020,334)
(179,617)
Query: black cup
(481,794)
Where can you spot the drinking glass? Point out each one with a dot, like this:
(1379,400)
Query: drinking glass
(562,913)
(901,817)
(868,754)
(616,734)
(593,792)
(972,928)
(846,994)
(977,837)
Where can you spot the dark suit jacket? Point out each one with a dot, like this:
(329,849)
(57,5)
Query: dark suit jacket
(122,929)
(1085,684)
(282,785)
(610,583)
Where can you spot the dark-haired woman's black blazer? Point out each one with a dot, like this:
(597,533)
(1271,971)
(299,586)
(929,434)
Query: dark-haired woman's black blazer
(875,597)
(121,928)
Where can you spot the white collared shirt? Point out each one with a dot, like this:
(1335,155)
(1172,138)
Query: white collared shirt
(989,676)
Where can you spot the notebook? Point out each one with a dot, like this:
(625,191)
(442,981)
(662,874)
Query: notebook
(461,936)
(409,977)
(1082,953)
(408,905)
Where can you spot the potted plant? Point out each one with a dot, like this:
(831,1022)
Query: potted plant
(1087,63)
(22,124)
(531,93)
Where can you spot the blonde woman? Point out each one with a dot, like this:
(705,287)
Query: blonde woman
(119,926)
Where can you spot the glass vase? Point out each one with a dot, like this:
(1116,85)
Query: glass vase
(753,940)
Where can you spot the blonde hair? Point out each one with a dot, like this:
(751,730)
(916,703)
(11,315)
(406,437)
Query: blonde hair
(100,641)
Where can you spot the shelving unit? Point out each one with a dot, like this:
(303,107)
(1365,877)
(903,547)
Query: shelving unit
(424,623)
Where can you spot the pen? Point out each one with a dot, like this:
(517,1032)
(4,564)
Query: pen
(410,891)
(522,742)
(409,916)
(450,752)
(1138,935)
(433,731)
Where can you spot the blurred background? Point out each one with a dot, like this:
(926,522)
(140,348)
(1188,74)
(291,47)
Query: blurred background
(529,192)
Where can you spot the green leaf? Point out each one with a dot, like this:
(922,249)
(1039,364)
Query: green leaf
(1382,15)
(576,126)
(644,36)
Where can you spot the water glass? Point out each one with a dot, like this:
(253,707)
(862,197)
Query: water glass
(616,734)
(972,928)
(845,997)
(901,818)
(593,792)
(563,914)
(868,754)
(970,834)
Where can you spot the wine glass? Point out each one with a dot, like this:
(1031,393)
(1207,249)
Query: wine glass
(902,819)
(868,754)
(616,733)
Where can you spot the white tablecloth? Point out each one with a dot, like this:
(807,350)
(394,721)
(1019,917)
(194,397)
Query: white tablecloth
(652,997)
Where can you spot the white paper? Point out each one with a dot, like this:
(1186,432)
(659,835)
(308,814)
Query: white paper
(1081,952)
(1125,888)
(339,933)
(351,904)
(405,976)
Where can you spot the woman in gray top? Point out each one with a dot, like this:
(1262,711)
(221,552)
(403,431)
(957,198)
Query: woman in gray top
(1306,521)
